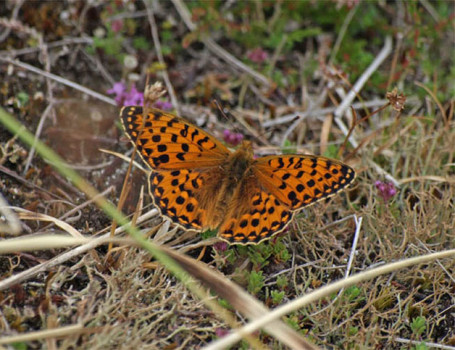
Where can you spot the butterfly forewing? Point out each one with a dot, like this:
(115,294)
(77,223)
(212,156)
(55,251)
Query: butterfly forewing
(300,180)
(167,142)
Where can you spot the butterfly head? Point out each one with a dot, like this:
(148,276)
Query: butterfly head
(247,148)
(239,162)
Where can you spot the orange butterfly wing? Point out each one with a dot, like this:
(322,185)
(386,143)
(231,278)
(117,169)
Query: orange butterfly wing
(300,180)
(265,218)
(173,192)
(180,155)
(166,142)
(284,184)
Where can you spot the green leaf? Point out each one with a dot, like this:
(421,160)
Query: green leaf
(277,297)
(353,331)
(421,346)
(282,281)
(209,234)
(141,43)
(418,325)
(19,346)
(256,282)
(22,98)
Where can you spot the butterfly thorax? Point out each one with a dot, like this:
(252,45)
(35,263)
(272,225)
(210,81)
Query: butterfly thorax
(238,164)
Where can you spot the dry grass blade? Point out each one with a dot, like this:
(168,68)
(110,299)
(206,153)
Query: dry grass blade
(45,242)
(226,289)
(24,244)
(56,261)
(240,300)
(28,215)
(47,334)
(428,177)
(323,292)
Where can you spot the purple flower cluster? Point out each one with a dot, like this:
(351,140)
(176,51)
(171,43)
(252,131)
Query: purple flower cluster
(221,332)
(257,55)
(117,25)
(164,105)
(221,246)
(232,138)
(133,97)
(386,190)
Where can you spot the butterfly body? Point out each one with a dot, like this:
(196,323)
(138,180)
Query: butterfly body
(200,184)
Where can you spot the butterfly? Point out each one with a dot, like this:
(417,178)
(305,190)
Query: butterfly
(199,184)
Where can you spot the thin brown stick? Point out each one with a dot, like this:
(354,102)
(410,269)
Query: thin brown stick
(157,45)
(215,48)
(436,100)
(61,80)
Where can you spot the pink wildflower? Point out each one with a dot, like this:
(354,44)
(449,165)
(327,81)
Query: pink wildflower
(257,55)
(133,97)
(232,138)
(117,25)
(221,246)
(221,332)
(386,190)
(164,105)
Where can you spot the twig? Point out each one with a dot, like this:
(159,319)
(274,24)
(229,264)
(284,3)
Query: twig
(358,225)
(99,67)
(340,110)
(428,345)
(384,173)
(320,112)
(344,105)
(37,135)
(14,14)
(427,5)
(90,201)
(157,44)
(61,80)
(215,48)
(342,32)
(25,182)
(396,56)
(28,50)
(290,129)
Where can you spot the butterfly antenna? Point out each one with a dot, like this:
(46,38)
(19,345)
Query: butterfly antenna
(229,121)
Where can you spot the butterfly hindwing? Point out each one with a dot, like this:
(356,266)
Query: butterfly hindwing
(165,141)
(173,192)
(300,180)
(265,218)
